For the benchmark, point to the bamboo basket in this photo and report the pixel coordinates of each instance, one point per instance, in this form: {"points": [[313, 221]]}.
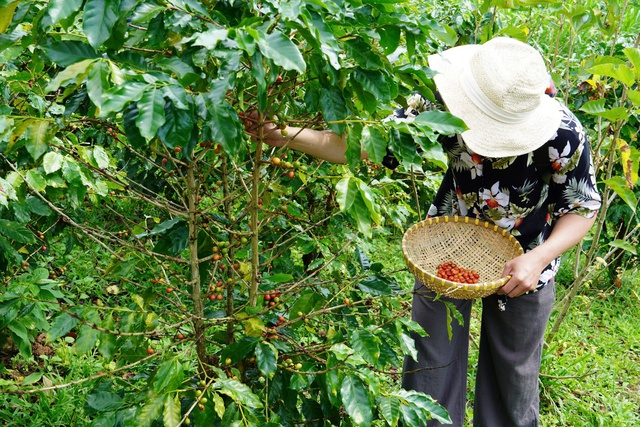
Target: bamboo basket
{"points": [[468, 242]]}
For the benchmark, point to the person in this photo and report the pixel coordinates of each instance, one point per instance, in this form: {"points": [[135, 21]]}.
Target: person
{"points": [[524, 163]]}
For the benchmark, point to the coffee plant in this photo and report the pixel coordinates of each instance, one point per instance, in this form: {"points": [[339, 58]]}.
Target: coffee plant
{"points": [[227, 285]]}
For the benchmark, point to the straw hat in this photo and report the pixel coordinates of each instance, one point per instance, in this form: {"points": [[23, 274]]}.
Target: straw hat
{"points": [[498, 89]]}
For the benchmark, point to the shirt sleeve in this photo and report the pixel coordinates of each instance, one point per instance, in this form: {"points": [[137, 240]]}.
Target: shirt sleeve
{"points": [[572, 188]]}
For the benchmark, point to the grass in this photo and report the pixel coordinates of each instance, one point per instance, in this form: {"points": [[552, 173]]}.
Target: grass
{"points": [[591, 372]]}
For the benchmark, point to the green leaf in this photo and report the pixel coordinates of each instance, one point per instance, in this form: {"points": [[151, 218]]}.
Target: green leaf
{"points": [[624, 245], [620, 72], [333, 379], [37, 141], [16, 232], [172, 411], [634, 96], [115, 101], [334, 109], [306, 303], [38, 207], [361, 213], [389, 38], [368, 198], [367, 344], [6, 15], [97, 82], [20, 337], [151, 112], [408, 344], [161, 228], [58, 10], [61, 326], [410, 415], [9, 308], [8, 252], [238, 350], [441, 121], [375, 82], [619, 185], [225, 126], [169, 375], [282, 51], [633, 54], [378, 285], [329, 45], [362, 54], [101, 157], [174, 242], [98, 20], [347, 190], [66, 53], [266, 358], [429, 408], [210, 39], [103, 401], [35, 180], [374, 143], [52, 162], [239, 392], [145, 12], [178, 126], [151, 411], [32, 378], [356, 401], [87, 335], [253, 327], [108, 344], [403, 146], [594, 107], [390, 409], [598, 108], [452, 314]]}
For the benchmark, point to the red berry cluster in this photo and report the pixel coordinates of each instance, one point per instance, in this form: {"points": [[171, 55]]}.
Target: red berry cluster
{"points": [[216, 292], [450, 271], [272, 298]]}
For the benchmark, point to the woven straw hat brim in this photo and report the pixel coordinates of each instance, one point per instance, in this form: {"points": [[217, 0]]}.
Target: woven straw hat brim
{"points": [[487, 136], [468, 242]]}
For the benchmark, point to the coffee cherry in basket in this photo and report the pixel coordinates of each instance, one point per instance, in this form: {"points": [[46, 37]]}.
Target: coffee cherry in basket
{"points": [[450, 271]]}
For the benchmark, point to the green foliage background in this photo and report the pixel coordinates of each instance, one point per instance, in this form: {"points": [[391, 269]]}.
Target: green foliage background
{"points": [[159, 264]]}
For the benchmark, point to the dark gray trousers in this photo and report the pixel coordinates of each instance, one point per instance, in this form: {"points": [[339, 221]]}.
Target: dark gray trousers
{"points": [[506, 393]]}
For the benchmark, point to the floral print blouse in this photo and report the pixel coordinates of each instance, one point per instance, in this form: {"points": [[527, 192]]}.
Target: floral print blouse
{"points": [[523, 194]]}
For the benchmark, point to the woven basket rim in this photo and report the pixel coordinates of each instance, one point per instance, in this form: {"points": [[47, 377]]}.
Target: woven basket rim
{"points": [[447, 287]]}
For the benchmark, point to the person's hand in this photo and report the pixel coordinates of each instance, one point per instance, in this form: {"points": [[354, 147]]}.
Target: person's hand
{"points": [[273, 134], [524, 271]]}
